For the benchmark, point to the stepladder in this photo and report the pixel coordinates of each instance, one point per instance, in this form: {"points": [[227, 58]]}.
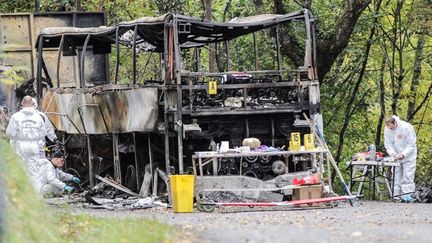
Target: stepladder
{"points": [[378, 176]]}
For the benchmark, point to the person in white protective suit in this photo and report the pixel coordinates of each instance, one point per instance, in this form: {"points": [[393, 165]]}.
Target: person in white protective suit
{"points": [[3, 121], [52, 178], [25, 130], [50, 134], [400, 143]]}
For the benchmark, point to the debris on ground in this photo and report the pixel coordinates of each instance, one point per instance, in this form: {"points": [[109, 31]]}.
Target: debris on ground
{"points": [[423, 194], [110, 195]]}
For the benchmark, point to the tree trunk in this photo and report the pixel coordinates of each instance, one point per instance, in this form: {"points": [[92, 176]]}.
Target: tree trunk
{"points": [[329, 48], [396, 86], [416, 77], [349, 108], [382, 101], [78, 5], [259, 5], [37, 6], [212, 51]]}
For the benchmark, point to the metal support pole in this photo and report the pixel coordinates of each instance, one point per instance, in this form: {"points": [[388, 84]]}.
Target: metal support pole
{"points": [[247, 128], [116, 159], [197, 59], [227, 55], [117, 56], [134, 55], [82, 62], [177, 76], [39, 70], [245, 94], [329, 181], [278, 51], [166, 77], [150, 152], [314, 50], [137, 169], [167, 147], [272, 131], [59, 54], [255, 51], [308, 62], [90, 161]]}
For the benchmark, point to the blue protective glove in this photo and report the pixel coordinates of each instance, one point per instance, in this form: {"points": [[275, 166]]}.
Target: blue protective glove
{"points": [[76, 180], [68, 188], [407, 198]]}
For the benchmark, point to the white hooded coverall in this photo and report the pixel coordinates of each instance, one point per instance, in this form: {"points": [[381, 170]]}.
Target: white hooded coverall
{"points": [[48, 127], [25, 130], [402, 140], [52, 179]]}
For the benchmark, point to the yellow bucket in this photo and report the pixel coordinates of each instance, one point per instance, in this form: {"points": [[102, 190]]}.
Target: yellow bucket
{"points": [[182, 192]]}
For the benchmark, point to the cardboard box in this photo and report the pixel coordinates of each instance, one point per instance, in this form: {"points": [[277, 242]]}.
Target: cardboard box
{"points": [[307, 192]]}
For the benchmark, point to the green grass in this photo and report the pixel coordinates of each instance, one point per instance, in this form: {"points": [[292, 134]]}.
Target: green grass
{"points": [[84, 228], [28, 219]]}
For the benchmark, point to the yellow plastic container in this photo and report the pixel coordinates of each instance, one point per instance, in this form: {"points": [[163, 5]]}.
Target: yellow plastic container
{"points": [[182, 192], [295, 142], [309, 142], [212, 88]]}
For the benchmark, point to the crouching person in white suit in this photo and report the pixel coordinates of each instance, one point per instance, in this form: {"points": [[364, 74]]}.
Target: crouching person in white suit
{"points": [[52, 178]]}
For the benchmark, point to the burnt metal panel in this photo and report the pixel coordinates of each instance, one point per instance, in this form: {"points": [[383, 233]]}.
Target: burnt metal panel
{"points": [[193, 31], [18, 34], [110, 111]]}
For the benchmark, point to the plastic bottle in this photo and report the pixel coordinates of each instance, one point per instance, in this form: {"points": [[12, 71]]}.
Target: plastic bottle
{"points": [[372, 151], [213, 146]]}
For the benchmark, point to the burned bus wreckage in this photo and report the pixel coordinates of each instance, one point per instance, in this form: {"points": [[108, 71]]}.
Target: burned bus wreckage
{"points": [[153, 123]]}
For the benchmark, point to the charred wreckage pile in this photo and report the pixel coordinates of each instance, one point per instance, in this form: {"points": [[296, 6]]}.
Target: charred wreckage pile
{"points": [[150, 127]]}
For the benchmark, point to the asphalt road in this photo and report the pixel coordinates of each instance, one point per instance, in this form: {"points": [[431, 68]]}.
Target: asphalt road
{"points": [[366, 222]]}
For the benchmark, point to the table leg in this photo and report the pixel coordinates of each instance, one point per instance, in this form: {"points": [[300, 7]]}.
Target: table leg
{"points": [[194, 167], [393, 169], [200, 167], [329, 172], [241, 165], [374, 181], [351, 179], [215, 166]]}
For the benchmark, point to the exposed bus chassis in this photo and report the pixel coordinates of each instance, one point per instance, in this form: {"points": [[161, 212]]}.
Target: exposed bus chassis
{"points": [[129, 130]]}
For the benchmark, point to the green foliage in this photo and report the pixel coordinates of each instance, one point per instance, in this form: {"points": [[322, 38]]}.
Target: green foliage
{"points": [[84, 228], [398, 47], [10, 75], [16, 6], [28, 219], [173, 6], [122, 10], [394, 42], [326, 14], [57, 5]]}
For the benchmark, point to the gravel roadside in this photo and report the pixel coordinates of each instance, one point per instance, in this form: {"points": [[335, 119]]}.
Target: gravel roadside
{"points": [[367, 222]]}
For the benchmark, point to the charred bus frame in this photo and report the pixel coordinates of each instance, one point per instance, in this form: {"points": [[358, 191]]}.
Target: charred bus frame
{"points": [[176, 114]]}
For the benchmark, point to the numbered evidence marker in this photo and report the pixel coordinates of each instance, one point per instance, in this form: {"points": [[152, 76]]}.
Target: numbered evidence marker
{"points": [[309, 142], [295, 141], [212, 87]]}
